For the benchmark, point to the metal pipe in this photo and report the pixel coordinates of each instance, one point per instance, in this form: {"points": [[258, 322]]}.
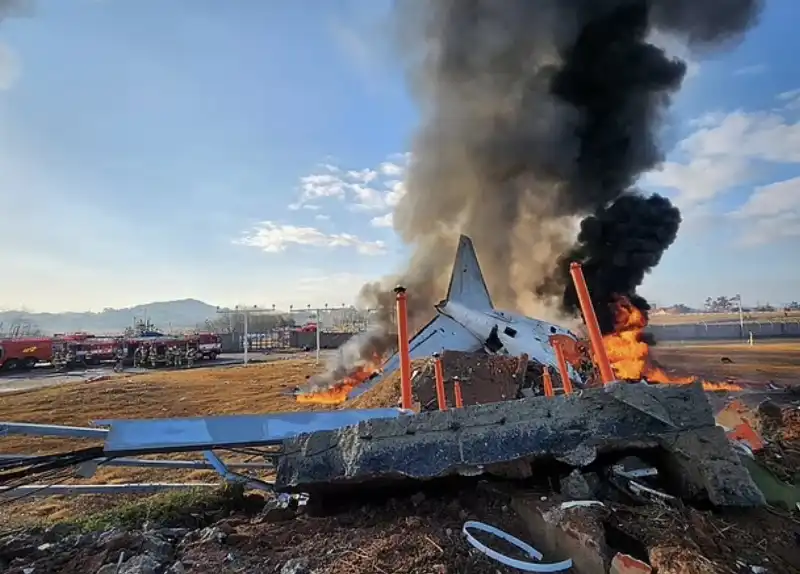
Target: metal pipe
{"points": [[457, 392], [402, 344], [439, 374], [563, 371], [7, 428], [79, 489], [547, 382], [590, 318], [164, 463], [246, 338], [317, 333]]}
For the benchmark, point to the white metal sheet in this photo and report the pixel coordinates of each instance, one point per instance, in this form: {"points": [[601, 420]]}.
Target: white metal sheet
{"points": [[204, 433]]}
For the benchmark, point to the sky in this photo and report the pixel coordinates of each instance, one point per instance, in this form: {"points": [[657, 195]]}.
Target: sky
{"points": [[251, 153]]}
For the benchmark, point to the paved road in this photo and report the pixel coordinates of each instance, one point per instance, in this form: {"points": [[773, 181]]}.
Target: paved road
{"points": [[44, 376]]}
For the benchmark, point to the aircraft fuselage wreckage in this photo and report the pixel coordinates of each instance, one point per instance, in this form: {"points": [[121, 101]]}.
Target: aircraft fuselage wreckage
{"points": [[468, 321]]}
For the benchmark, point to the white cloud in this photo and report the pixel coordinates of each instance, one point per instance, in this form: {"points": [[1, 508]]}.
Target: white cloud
{"points": [[790, 99], [772, 200], [700, 179], [367, 198], [322, 217], [272, 237], [771, 213], [397, 190], [369, 189], [320, 185], [758, 135], [753, 70], [386, 220], [724, 150], [391, 169]]}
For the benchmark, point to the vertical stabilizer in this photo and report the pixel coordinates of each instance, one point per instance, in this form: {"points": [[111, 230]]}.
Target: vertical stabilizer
{"points": [[467, 286]]}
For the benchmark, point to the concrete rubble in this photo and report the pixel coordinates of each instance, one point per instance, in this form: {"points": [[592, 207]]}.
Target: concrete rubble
{"points": [[673, 421]]}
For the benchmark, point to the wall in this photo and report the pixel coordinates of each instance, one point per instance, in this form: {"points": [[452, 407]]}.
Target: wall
{"points": [[725, 331]]}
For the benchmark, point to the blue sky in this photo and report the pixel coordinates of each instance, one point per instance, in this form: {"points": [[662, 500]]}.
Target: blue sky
{"points": [[251, 152]]}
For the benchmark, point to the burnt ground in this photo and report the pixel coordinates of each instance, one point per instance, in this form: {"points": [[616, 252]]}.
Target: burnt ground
{"points": [[413, 533]]}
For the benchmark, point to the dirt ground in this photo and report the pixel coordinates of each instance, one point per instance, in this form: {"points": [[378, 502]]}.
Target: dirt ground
{"points": [[261, 388], [762, 363]]}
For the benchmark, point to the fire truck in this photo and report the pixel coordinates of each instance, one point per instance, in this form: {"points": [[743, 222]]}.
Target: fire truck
{"points": [[83, 349], [24, 353], [209, 345]]}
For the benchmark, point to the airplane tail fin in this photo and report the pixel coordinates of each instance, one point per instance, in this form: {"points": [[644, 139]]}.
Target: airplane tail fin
{"points": [[466, 283]]}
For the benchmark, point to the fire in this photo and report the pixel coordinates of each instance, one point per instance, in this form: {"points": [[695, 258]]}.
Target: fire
{"points": [[629, 354], [337, 393]]}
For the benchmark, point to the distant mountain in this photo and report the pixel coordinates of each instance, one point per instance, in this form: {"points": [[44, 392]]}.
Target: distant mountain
{"points": [[165, 315]]}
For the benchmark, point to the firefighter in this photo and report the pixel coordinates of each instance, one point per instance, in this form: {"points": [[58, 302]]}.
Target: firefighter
{"points": [[120, 353]]}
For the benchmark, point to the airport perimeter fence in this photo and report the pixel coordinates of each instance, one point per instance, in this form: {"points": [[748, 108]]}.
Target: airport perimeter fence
{"points": [[784, 329], [280, 340]]}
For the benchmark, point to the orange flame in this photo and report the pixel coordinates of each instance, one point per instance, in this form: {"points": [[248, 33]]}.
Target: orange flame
{"points": [[629, 354], [337, 394]]}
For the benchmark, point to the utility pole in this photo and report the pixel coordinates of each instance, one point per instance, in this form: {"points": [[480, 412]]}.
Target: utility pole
{"points": [[741, 315], [245, 312], [318, 313]]}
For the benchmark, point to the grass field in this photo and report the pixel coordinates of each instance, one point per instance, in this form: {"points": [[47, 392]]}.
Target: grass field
{"points": [[196, 392], [722, 318], [260, 389]]}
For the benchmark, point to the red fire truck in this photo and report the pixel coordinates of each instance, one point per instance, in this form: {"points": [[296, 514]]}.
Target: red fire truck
{"points": [[90, 349], [24, 353], [209, 345]]}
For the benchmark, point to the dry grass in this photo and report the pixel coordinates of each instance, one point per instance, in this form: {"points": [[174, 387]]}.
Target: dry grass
{"points": [[196, 392], [722, 318], [260, 389], [761, 363]]}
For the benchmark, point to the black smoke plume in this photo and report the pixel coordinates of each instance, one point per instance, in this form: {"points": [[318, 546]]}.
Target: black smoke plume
{"points": [[616, 247], [536, 114]]}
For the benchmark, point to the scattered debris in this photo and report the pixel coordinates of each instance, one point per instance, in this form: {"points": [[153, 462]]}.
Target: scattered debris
{"points": [[526, 548], [626, 564], [484, 379]]}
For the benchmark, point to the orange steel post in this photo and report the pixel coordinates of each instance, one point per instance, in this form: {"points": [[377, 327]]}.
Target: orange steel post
{"points": [[589, 317], [439, 373], [548, 383], [402, 345], [457, 392], [562, 368]]}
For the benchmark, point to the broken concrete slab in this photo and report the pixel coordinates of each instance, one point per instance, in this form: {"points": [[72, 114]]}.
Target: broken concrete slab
{"points": [[472, 440]]}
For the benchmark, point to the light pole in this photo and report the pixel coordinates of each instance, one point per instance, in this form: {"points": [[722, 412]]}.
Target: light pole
{"points": [[245, 312], [741, 315], [318, 313]]}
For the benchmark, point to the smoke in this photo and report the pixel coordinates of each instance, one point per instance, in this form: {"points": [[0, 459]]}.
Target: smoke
{"points": [[9, 63], [536, 114], [616, 246]]}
